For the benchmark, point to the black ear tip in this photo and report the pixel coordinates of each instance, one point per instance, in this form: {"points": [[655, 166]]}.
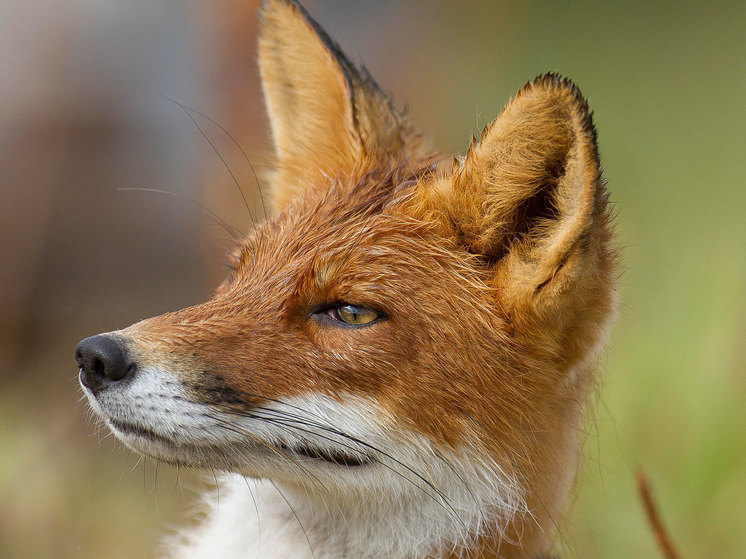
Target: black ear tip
{"points": [[555, 82], [267, 5]]}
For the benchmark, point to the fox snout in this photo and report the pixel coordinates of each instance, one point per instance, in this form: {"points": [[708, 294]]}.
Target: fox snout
{"points": [[102, 361]]}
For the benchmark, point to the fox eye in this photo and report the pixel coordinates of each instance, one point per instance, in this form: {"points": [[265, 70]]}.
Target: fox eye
{"points": [[354, 315]]}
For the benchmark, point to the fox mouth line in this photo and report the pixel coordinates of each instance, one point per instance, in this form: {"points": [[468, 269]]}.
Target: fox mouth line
{"points": [[144, 432], [336, 457], [332, 456]]}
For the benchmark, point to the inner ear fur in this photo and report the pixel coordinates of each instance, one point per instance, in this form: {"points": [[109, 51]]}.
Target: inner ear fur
{"points": [[328, 118], [529, 198]]}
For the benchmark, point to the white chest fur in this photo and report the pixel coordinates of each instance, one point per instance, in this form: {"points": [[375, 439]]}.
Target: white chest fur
{"points": [[252, 519]]}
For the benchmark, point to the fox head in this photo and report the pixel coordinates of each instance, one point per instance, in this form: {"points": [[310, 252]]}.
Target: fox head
{"points": [[405, 330]]}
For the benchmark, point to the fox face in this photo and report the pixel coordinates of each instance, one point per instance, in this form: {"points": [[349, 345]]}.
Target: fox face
{"points": [[407, 336]]}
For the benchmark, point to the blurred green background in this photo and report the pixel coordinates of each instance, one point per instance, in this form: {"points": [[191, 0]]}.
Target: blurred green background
{"points": [[81, 115]]}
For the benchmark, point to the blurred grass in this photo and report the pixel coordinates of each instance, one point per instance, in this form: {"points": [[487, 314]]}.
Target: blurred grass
{"points": [[667, 83]]}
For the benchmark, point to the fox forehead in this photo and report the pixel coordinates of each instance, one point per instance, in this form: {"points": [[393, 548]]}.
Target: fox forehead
{"points": [[361, 242]]}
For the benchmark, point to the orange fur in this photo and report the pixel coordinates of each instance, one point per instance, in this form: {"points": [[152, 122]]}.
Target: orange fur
{"points": [[495, 273]]}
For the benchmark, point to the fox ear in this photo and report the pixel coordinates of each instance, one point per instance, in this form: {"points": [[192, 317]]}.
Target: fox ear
{"points": [[529, 198], [327, 117]]}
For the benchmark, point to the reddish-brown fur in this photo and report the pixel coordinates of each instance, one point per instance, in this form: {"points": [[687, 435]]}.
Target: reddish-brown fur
{"points": [[495, 272]]}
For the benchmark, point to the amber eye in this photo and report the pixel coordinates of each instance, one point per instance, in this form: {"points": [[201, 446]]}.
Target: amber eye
{"points": [[355, 315]]}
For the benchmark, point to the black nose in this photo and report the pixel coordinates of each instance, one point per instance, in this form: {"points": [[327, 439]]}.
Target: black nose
{"points": [[102, 360]]}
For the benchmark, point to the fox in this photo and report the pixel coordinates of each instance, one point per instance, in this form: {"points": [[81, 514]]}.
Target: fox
{"points": [[401, 360]]}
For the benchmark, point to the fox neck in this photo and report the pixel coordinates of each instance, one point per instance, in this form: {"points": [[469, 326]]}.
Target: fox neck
{"points": [[383, 526], [275, 520], [470, 525]]}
